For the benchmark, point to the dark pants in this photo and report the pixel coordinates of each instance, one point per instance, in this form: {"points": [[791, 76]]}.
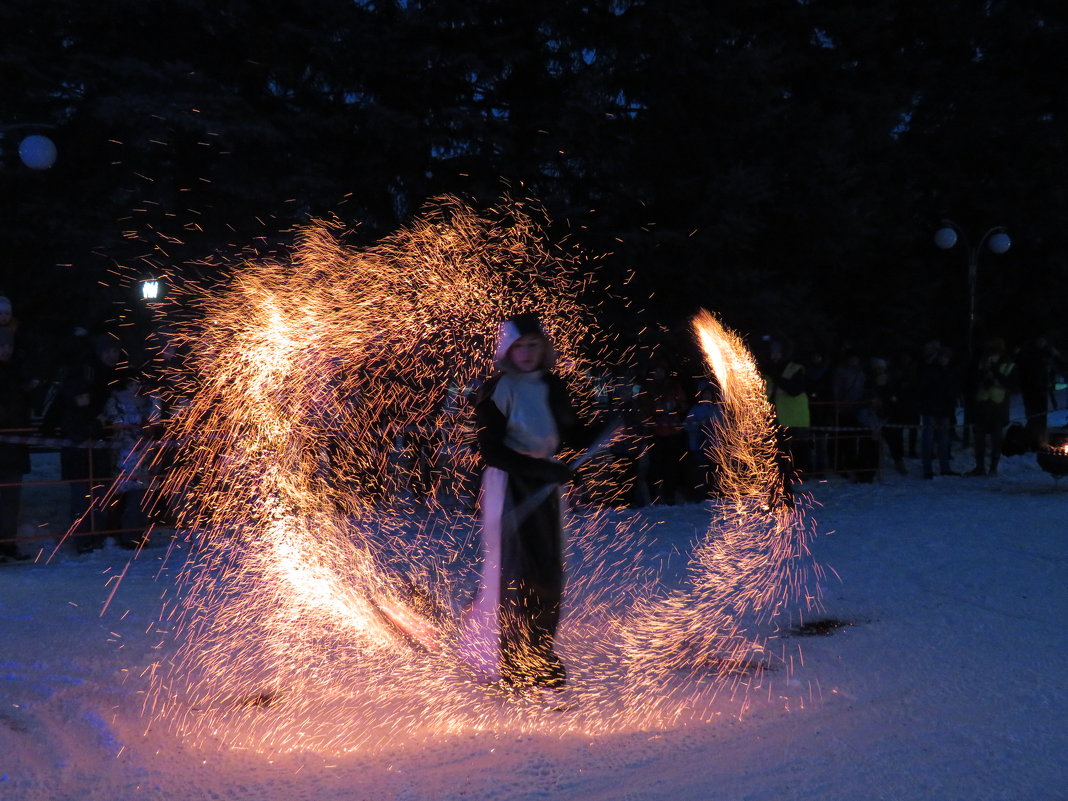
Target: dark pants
{"points": [[90, 475], [704, 475], [1036, 408], [934, 442], [667, 467], [797, 442], [532, 585], [10, 501], [894, 437], [127, 517], [990, 420]]}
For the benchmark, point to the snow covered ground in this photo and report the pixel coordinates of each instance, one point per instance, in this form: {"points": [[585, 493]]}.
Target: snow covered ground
{"points": [[950, 684]]}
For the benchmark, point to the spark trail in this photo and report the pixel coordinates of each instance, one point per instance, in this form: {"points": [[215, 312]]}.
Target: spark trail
{"points": [[749, 568], [326, 463]]}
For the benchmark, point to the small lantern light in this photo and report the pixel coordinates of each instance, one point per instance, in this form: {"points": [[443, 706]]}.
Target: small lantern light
{"points": [[151, 290]]}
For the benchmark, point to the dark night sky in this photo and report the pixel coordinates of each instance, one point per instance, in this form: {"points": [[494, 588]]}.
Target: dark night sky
{"points": [[750, 159]]}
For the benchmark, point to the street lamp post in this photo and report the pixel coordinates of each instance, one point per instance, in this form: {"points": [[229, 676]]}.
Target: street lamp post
{"points": [[996, 240]]}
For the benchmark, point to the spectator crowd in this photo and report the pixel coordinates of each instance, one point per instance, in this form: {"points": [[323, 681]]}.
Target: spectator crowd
{"points": [[101, 414], [847, 413], [840, 412]]}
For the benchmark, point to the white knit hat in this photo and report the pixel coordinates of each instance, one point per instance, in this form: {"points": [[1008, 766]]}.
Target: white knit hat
{"points": [[511, 330]]}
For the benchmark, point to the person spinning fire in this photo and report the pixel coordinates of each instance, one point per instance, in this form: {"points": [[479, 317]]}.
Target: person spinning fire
{"points": [[524, 416]]}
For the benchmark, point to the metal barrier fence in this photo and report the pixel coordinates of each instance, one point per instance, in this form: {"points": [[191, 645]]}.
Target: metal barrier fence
{"points": [[48, 506], [834, 446], [52, 505]]}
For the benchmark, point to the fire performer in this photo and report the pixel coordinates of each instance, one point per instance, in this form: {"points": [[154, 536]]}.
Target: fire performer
{"points": [[524, 416]]}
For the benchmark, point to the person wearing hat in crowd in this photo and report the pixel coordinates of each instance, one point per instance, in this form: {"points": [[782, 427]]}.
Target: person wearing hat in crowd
{"points": [[14, 456], [524, 415]]}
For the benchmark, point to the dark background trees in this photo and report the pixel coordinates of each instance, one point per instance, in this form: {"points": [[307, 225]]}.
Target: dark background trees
{"points": [[784, 162]]}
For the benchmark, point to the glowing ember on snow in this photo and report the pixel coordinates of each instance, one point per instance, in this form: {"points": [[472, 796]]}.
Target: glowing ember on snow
{"points": [[323, 410]]}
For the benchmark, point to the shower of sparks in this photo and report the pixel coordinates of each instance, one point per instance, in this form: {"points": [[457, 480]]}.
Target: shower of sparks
{"points": [[749, 568], [326, 478]]}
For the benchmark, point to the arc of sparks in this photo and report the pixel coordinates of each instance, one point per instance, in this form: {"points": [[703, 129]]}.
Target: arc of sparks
{"points": [[321, 389], [749, 567]]}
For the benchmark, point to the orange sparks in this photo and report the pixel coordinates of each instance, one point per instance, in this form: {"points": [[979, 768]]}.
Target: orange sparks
{"points": [[325, 481]]}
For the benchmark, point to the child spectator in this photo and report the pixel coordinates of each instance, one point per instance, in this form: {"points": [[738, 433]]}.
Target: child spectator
{"points": [[131, 413]]}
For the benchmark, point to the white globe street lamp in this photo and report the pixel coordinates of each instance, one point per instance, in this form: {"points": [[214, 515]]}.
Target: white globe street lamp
{"points": [[997, 241], [945, 238], [37, 152]]}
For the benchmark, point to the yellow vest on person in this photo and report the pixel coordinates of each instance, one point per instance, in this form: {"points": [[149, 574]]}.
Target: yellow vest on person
{"points": [[791, 411], [999, 391]]}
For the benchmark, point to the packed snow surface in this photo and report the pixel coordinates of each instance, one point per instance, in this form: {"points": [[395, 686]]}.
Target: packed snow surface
{"points": [[946, 680]]}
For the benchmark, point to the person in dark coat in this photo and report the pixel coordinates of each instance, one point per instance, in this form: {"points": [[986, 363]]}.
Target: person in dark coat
{"points": [[14, 456], [702, 430], [822, 414], [86, 461], [887, 409], [7, 315], [1037, 363], [937, 392], [524, 417], [664, 405], [852, 399]]}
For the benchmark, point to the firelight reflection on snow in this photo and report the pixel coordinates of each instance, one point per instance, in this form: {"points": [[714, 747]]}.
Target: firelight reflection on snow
{"points": [[308, 373]]}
